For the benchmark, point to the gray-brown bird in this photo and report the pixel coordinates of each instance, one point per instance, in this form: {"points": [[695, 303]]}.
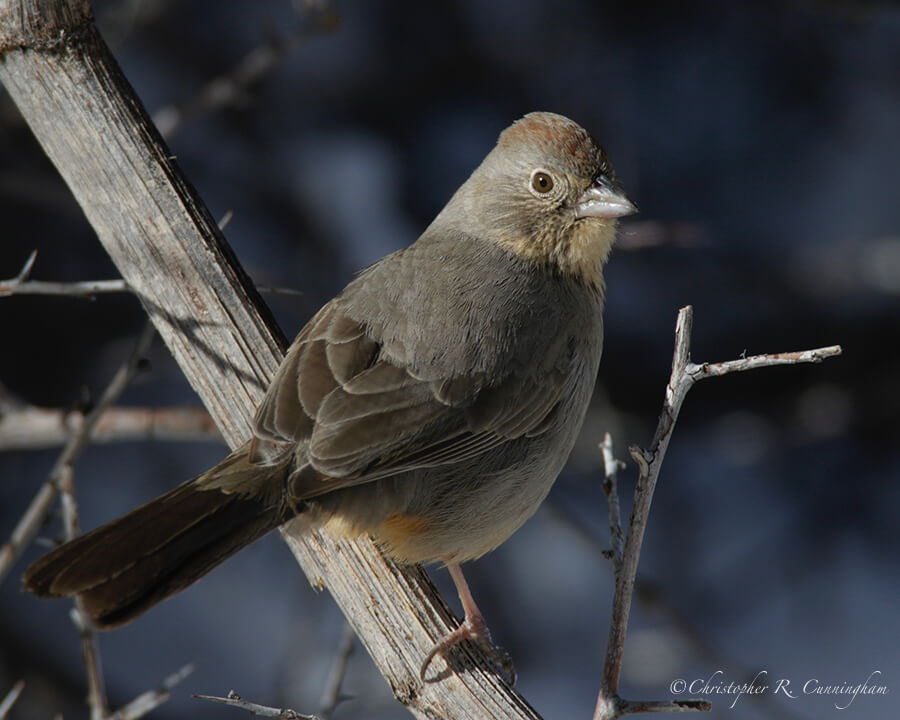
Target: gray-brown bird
{"points": [[431, 404]]}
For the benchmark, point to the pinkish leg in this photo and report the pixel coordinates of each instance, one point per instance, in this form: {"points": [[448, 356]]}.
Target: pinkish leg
{"points": [[473, 627]]}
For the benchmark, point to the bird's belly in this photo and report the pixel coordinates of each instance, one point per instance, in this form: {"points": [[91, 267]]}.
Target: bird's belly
{"points": [[459, 512]]}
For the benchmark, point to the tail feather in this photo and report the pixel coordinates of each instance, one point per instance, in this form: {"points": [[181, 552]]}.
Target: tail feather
{"points": [[122, 569]]}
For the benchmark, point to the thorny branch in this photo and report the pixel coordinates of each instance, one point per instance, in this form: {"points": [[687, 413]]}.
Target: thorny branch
{"points": [[22, 284], [684, 375], [235, 700]]}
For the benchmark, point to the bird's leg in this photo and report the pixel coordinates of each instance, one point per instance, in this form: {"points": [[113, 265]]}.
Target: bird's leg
{"points": [[473, 627]]}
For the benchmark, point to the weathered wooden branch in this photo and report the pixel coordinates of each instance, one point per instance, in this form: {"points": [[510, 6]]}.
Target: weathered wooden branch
{"points": [[168, 249]]}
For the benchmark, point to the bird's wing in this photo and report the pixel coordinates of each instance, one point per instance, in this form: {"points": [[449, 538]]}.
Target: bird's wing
{"points": [[360, 416]]}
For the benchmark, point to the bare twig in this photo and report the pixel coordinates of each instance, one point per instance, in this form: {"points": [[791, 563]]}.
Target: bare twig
{"points": [[231, 88], [22, 284], [152, 699], [684, 375], [705, 370], [331, 694], [37, 512], [611, 468], [30, 427], [90, 651], [25, 272], [25, 530], [226, 219], [10, 699], [85, 289], [235, 700]]}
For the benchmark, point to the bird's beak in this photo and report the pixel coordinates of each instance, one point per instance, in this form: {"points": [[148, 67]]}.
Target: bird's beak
{"points": [[604, 199]]}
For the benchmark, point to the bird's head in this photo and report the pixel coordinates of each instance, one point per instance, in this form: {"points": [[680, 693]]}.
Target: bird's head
{"points": [[548, 192]]}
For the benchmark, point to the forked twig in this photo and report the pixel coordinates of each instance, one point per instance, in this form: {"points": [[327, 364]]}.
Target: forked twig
{"points": [[684, 375]]}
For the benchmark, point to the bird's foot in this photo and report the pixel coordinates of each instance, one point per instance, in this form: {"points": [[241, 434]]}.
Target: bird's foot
{"points": [[475, 629]]}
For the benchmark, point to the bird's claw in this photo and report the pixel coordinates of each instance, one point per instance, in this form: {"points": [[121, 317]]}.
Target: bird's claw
{"points": [[473, 629]]}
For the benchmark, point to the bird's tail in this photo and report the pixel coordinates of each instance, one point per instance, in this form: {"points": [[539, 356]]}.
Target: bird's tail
{"points": [[122, 569]]}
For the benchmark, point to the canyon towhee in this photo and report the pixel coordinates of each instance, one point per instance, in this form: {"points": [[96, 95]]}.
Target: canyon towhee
{"points": [[431, 404]]}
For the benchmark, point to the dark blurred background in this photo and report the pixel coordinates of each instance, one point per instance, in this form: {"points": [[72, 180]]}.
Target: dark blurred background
{"points": [[762, 144]]}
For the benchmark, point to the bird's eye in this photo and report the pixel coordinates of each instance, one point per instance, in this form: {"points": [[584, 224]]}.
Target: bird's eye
{"points": [[542, 182]]}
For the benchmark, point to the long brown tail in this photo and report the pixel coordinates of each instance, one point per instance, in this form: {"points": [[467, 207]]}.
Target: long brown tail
{"points": [[122, 569]]}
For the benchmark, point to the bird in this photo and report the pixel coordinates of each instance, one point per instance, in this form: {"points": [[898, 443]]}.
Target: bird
{"points": [[431, 404]]}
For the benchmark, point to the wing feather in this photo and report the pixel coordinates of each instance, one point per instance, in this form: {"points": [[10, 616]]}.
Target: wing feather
{"points": [[361, 416]]}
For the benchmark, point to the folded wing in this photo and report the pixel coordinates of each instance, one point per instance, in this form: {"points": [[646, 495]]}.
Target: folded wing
{"points": [[358, 416]]}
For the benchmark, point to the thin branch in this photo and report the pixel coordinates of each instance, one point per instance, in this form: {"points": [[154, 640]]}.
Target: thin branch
{"points": [[684, 375], [152, 699], [85, 289], [90, 651], [611, 467], [705, 370], [235, 700], [23, 533], [10, 699], [22, 284], [231, 88], [652, 598], [31, 427], [25, 272], [39, 509], [331, 693]]}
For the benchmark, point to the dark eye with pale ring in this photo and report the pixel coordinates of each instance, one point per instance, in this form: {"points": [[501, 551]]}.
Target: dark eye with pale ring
{"points": [[542, 182]]}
